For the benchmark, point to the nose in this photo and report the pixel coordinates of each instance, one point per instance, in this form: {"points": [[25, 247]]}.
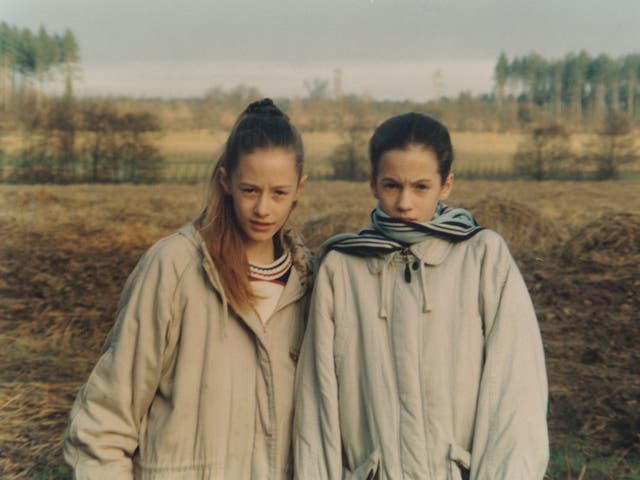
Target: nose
{"points": [[404, 203], [261, 207]]}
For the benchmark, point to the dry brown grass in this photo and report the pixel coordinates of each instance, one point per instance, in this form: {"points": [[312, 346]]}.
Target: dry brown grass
{"points": [[29, 413], [610, 241], [66, 252], [201, 143]]}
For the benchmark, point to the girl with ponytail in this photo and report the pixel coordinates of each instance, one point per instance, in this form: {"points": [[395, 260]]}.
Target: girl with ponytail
{"points": [[195, 380]]}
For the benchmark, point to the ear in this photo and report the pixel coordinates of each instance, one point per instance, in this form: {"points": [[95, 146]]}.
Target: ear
{"points": [[301, 184], [447, 186], [224, 180], [373, 186]]}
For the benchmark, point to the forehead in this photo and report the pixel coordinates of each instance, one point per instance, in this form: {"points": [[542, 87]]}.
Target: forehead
{"points": [[266, 163], [411, 163]]}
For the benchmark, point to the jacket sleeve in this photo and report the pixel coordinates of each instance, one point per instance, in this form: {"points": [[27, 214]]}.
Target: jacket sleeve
{"points": [[107, 415], [316, 437], [510, 437]]}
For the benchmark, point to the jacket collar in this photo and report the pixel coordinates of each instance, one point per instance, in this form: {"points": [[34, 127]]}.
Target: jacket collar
{"points": [[300, 277], [432, 251]]}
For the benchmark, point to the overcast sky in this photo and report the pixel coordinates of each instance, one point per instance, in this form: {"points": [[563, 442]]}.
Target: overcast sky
{"points": [[389, 49]]}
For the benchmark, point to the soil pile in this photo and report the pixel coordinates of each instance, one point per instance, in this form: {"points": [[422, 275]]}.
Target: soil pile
{"points": [[610, 241], [524, 229]]}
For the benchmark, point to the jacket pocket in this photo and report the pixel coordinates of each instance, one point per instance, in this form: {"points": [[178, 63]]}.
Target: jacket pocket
{"points": [[459, 463], [367, 470]]}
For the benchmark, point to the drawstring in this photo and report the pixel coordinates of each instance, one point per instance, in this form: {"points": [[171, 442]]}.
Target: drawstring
{"points": [[380, 267], [382, 313], [426, 306]]}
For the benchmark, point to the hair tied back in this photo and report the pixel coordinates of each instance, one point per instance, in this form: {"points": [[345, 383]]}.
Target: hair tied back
{"points": [[263, 107]]}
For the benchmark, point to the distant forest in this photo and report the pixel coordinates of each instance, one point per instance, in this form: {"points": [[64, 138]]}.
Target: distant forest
{"points": [[577, 90], [575, 87], [66, 138], [28, 60]]}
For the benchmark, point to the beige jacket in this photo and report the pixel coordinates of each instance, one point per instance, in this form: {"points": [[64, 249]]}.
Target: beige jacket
{"points": [[441, 378], [185, 388]]}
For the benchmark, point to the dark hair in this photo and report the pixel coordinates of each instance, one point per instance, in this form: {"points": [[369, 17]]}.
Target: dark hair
{"points": [[402, 131], [261, 125]]}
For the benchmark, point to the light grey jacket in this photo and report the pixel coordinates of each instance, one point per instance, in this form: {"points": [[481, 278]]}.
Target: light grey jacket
{"points": [[427, 379], [186, 389]]}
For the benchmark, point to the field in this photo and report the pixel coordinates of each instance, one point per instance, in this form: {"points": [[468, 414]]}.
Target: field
{"points": [[66, 251], [187, 151], [188, 154]]}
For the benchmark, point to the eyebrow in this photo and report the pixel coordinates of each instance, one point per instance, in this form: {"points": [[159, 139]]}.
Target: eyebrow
{"points": [[275, 187], [420, 180]]}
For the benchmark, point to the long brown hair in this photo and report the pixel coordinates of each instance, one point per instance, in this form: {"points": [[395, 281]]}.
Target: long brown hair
{"points": [[260, 125]]}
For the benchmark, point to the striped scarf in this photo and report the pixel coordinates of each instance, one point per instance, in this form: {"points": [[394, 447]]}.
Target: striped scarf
{"points": [[387, 234]]}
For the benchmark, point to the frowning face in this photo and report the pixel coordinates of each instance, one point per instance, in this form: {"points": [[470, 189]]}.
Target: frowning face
{"points": [[408, 185]]}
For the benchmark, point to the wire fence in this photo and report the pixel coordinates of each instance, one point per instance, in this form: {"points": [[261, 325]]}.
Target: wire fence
{"points": [[199, 170]]}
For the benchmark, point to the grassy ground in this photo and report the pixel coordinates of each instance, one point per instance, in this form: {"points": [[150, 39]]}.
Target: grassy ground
{"points": [[67, 250], [472, 149]]}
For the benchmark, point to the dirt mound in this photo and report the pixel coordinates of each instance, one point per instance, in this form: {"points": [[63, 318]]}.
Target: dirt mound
{"points": [[318, 230], [524, 229], [612, 240]]}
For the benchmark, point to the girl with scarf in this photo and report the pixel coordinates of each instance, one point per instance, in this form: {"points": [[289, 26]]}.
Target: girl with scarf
{"points": [[422, 357], [196, 378]]}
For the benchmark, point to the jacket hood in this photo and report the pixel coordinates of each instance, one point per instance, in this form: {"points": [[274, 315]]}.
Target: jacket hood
{"points": [[302, 256]]}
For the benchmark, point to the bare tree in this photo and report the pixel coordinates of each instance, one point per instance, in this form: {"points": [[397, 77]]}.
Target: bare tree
{"points": [[100, 122], [118, 147], [49, 151], [615, 145], [545, 153], [349, 158], [317, 88]]}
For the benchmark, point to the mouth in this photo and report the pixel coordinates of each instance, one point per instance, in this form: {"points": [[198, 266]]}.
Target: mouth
{"points": [[260, 226]]}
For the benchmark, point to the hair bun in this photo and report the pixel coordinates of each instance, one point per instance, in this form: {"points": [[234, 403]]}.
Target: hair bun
{"points": [[263, 107]]}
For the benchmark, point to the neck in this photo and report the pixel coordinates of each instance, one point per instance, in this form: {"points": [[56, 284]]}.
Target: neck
{"points": [[260, 253]]}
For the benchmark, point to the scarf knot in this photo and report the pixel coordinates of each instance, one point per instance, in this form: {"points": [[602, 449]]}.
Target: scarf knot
{"points": [[387, 234]]}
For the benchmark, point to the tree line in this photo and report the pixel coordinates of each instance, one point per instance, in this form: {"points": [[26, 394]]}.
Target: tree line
{"points": [[65, 139], [579, 88], [30, 59], [548, 151], [87, 141]]}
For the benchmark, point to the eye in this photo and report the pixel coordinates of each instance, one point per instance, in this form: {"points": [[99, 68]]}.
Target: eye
{"points": [[281, 193], [390, 185], [422, 187], [248, 190]]}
